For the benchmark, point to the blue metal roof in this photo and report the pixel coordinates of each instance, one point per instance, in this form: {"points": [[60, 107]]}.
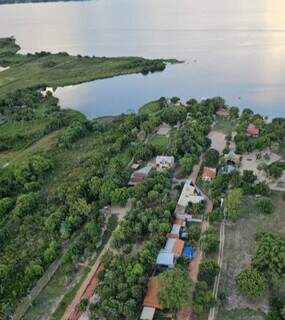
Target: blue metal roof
{"points": [[188, 252]]}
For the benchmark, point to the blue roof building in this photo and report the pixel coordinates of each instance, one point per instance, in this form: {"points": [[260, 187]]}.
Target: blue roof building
{"points": [[188, 252]]}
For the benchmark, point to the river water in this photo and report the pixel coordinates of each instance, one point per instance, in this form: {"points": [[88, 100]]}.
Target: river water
{"points": [[232, 48]]}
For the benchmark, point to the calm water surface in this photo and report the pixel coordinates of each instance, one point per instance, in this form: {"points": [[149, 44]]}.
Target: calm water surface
{"points": [[238, 46]]}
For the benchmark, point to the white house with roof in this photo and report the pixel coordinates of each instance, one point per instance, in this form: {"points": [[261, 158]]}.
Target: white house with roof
{"points": [[190, 194], [164, 162]]}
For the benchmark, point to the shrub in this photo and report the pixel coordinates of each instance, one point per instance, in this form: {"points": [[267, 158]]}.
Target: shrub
{"points": [[212, 157], [216, 215], [210, 241], [265, 205], [203, 298], [251, 283], [194, 232], [207, 272]]}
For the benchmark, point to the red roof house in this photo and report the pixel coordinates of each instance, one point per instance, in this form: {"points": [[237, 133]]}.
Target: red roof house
{"points": [[151, 297], [252, 131], [209, 174]]}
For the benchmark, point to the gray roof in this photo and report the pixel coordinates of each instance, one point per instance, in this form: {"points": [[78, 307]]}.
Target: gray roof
{"points": [[165, 258]]}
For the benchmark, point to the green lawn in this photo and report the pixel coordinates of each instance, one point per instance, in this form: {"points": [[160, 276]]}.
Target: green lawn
{"points": [[238, 251], [159, 141]]}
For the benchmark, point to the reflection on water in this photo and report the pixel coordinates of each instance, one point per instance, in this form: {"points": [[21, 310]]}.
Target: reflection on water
{"points": [[239, 47]]}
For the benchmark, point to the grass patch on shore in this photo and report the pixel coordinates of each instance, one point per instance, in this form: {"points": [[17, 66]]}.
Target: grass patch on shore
{"points": [[150, 107], [57, 70]]}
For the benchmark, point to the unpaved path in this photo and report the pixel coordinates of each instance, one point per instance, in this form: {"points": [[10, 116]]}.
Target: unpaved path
{"points": [[213, 310]]}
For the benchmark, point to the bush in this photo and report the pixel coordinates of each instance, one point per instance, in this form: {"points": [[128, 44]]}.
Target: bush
{"points": [[194, 232], [203, 298], [212, 157], [265, 205], [216, 215], [208, 271], [251, 283], [25, 204], [6, 204], [210, 241]]}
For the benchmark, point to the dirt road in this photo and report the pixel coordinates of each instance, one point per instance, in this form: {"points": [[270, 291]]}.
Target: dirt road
{"points": [[72, 312], [213, 310]]}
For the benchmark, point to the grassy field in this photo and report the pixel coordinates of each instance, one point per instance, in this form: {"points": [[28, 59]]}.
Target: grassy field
{"points": [[43, 145], [238, 251], [159, 141], [63, 284], [54, 70]]}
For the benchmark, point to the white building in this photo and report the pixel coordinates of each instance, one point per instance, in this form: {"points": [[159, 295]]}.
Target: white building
{"points": [[190, 194], [164, 162], [166, 259]]}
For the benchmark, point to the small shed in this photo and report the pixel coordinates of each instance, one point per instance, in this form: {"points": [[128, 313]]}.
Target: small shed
{"points": [[140, 174], [209, 174], [164, 162], [252, 131], [147, 313], [188, 252]]}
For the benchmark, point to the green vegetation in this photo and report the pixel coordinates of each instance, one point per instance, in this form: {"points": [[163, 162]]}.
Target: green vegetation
{"points": [[233, 201], [269, 133], [208, 271], [251, 283], [203, 298], [65, 179], [211, 158], [45, 69], [240, 250], [175, 289], [152, 107], [210, 241]]}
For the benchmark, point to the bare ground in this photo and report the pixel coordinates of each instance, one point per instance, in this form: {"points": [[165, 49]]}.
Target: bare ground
{"points": [[218, 140]]}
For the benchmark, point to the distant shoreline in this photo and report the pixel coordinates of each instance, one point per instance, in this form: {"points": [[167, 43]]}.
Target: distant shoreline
{"points": [[37, 1]]}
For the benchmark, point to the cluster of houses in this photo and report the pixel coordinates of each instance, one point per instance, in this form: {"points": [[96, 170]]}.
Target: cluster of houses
{"points": [[174, 247]]}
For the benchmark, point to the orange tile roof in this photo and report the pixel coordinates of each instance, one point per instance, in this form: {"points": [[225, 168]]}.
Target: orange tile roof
{"points": [[179, 221], [209, 172], [178, 247], [252, 131], [151, 297]]}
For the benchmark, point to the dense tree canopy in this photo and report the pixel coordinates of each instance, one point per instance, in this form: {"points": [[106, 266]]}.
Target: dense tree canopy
{"points": [[175, 289]]}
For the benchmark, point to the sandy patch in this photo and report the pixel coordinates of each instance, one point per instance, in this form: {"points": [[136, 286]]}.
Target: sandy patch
{"points": [[164, 130], [249, 162], [218, 140]]}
